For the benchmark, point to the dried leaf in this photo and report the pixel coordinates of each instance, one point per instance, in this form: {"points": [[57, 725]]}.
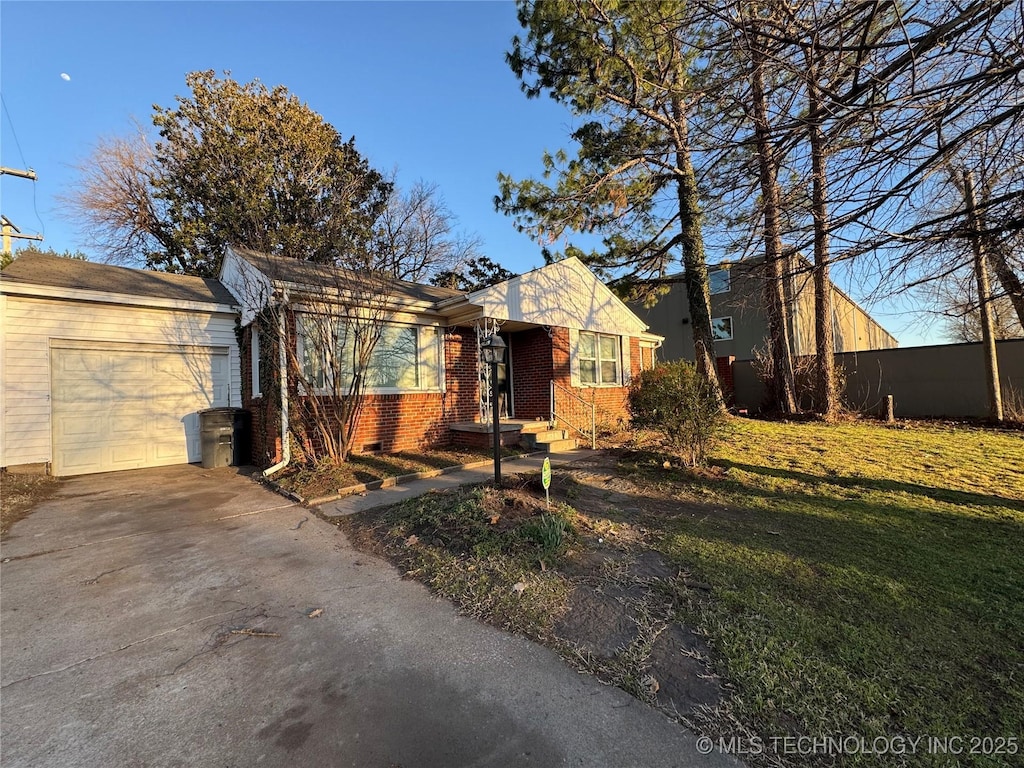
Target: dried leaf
{"points": [[519, 587], [495, 518], [316, 612], [412, 540]]}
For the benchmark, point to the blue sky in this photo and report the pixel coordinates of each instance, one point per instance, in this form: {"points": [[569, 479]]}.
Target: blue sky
{"points": [[423, 87]]}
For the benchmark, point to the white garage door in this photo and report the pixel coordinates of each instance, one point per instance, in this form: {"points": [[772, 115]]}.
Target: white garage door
{"points": [[124, 407]]}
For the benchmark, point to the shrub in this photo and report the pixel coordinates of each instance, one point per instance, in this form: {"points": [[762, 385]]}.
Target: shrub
{"points": [[676, 401]]}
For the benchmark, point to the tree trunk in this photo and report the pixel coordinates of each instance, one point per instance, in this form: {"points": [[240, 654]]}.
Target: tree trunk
{"points": [[995, 395], [824, 336], [1007, 278], [695, 270], [782, 388]]}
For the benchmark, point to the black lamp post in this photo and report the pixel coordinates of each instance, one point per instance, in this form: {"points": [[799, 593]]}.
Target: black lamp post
{"points": [[493, 352]]}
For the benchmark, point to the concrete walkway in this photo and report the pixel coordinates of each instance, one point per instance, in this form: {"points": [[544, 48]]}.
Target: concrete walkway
{"points": [[387, 496], [189, 617]]}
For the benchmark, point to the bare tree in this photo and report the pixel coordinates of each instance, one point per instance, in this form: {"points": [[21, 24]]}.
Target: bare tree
{"points": [[415, 237], [331, 332], [113, 203]]}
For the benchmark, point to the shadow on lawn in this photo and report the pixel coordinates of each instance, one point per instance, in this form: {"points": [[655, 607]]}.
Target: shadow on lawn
{"points": [[920, 547], [965, 498]]}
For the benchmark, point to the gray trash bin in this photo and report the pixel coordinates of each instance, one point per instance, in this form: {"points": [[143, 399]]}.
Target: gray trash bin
{"points": [[216, 430]]}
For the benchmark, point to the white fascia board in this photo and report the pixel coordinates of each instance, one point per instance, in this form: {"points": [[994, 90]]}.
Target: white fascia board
{"points": [[303, 293], [103, 297], [399, 315]]}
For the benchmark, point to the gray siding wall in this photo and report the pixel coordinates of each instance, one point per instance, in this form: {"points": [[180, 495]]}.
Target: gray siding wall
{"points": [[854, 328], [946, 380]]}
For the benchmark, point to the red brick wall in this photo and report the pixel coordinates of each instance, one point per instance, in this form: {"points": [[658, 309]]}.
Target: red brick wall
{"points": [[265, 430], [462, 377], [395, 422], [410, 421], [532, 372], [610, 401], [724, 365]]}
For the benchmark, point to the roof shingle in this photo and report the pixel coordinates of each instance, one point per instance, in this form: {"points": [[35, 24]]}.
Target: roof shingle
{"points": [[315, 275], [60, 272]]}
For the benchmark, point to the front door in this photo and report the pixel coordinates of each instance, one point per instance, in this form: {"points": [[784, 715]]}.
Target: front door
{"points": [[505, 405]]}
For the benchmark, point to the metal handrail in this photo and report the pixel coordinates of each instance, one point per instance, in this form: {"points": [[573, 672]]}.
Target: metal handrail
{"points": [[567, 413]]}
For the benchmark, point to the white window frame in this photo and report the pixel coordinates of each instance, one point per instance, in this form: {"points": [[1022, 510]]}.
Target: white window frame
{"points": [[425, 336], [598, 360], [714, 332], [728, 281], [254, 361]]}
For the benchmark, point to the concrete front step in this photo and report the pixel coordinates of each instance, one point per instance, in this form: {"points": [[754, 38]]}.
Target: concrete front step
{"points": [[558, 446], [533, 427], [548, 435], [536, 440]]}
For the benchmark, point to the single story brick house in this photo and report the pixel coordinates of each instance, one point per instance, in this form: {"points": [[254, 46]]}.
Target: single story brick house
{"points": [[572, 347], [106, 368]]}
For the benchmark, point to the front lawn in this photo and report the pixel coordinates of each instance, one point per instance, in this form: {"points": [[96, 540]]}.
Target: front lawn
{"points": [[865, 580], [848, 581]]}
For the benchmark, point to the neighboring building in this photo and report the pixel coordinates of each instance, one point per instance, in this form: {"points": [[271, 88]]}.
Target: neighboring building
{"points": [[569, 339], [106, 368], [739, 321]]}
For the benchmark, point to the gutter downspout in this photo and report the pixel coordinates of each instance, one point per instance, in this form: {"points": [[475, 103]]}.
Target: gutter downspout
{"points": [[282, 362]]}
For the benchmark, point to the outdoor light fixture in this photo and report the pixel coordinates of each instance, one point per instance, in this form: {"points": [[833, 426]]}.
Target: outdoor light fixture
{"points": [[493, 352]]}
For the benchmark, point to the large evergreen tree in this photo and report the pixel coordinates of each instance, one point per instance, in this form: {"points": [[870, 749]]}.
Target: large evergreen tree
{"points": [[234, 163], [626, 68]]}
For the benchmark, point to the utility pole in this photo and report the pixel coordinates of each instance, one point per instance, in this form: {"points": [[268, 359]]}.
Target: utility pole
{"points": [[29, 174], [995, 395], [11, 232]]}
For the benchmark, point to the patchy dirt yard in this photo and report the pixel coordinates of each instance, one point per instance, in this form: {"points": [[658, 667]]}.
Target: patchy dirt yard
{"points": [[19, 493], [596, 590]]}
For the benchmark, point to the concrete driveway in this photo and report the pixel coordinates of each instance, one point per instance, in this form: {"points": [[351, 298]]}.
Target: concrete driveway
{"points": [[161, 618]]}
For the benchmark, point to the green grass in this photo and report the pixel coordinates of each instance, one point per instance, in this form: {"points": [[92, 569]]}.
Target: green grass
{"points": [[864, 580]]}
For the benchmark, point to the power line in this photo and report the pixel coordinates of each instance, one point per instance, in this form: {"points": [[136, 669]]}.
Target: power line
{"points": [[13, 132]]}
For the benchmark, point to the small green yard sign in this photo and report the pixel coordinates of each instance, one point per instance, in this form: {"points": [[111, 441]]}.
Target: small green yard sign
{"points": [[545, 479]]}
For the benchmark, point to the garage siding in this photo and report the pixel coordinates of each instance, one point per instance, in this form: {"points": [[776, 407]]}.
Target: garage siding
{"points": [[29, 325]]}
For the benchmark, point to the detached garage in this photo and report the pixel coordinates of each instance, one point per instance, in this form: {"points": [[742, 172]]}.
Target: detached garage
{"points": [[106, 368]]}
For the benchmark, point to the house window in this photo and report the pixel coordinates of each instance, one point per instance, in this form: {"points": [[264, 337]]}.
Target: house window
{"points": [[254, 355], [405, 357], [721, 328], [599, 358], [393, 362], [719, 281]]}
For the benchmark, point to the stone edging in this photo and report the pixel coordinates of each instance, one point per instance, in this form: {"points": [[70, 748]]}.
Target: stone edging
{"points": [[389, 482]]}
